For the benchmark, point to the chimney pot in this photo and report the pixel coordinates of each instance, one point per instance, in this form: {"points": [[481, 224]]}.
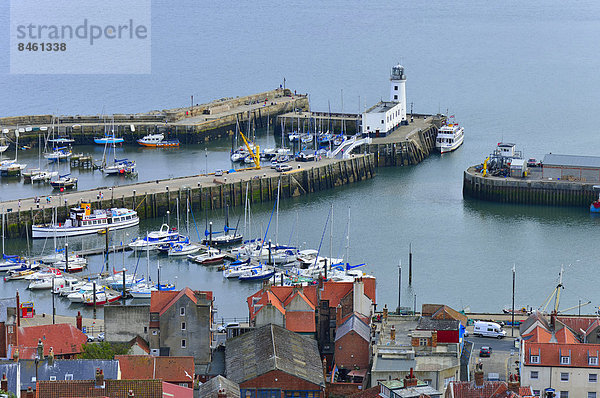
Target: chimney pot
{"points": [[4, 383], [221, 393], [29, 393], [99, 378], [479, 375], [130, 393]]}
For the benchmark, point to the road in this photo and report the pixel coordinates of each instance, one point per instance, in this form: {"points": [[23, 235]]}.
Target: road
{"points": [[501, 358]]}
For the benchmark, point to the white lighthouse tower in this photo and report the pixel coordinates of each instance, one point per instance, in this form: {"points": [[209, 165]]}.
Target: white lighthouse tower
{"points": [[398, 88]]}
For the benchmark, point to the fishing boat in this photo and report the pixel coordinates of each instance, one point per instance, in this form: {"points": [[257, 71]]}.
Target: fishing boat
{"points": [[212, 256], [595, 205], [155, 239], [64, 182], [158, 141], [102, 298], [83, 221], [449, 137]]}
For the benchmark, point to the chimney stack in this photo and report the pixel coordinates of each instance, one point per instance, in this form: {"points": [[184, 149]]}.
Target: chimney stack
{"points": [[385, 312], [221, 393], [479, 375], [16, 355], [79, 320], [40, 349], [130, 393], [29, 393], [410, 380], [338, 315], [51, 357], [513, 383], [4, 383], [99, 378], [393, 333]]}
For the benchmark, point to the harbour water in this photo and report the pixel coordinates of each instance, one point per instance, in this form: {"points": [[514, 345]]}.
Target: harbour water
{"points": [[509, 71]]}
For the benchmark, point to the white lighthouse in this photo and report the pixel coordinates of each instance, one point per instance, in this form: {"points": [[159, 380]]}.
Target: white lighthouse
{"points": [[385, 116], [398, 87]]}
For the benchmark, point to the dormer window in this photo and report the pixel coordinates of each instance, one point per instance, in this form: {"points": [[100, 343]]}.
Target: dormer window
{"points": [[593, 361], [565, 360], [534, 358]]}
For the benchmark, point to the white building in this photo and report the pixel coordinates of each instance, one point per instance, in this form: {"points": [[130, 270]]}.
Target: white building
{"points": [[385, 116]]}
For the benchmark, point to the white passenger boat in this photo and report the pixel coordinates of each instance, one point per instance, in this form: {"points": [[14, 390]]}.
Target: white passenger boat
{"points": [[83, 221], [155, 238], [449, 137]]}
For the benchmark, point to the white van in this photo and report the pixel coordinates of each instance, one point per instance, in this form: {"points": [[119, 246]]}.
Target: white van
{"points": [[488, 329]]}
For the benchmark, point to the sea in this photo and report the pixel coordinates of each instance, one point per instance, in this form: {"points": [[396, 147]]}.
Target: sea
{"points": [[521, 72]]}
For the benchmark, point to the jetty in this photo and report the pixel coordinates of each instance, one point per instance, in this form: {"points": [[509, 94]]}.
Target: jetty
{"points": [[192, 124], [203, 191]]}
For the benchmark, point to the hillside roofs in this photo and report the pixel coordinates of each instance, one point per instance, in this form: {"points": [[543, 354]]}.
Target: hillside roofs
{"points": [[64, 338], [334, 292], [426, 323], [535, 319], [63, 369], [562, 354], [87, 388], [489, 389], [270, 348], [161, 301], [441, 311], [353, 323], [211, 388], [580, 325], [144, 367], [538, 335]]}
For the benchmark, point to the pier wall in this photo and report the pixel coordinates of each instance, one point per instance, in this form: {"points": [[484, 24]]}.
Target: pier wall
{"points": [[413, 150], [200, 123], [536, 192], [312, 177]]}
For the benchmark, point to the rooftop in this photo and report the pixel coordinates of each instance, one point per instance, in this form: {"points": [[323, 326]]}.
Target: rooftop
{"points": [[353, 323], [212, 387], [269, 348], [552, 159], [112, 388], [550, 354], [145, 367], [63, 338], [382, 106], [75, 369]]}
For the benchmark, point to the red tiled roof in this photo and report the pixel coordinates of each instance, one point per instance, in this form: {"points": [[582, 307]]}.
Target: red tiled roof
{"points": [[372, 392], [64, 338], [576, 324], [173, 390], [86, 388], [489, 389], [299, 293], [550, 354], [300, 321], [564, 335], [161, 301], [144, 367], [140, 342], [538, 335], [335, 291], [273, 300]]}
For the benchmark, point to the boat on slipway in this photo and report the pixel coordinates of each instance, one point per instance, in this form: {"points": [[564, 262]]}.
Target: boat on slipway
{"points": [[83, 221], [158, 141], [449, 137]]}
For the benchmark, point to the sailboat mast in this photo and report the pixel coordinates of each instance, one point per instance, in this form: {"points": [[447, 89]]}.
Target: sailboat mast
{"points": [[2, 233], [177, 204], [277, 214], [246, 209], [348, 239], [331, 237], [147, 258], [187, 216]]}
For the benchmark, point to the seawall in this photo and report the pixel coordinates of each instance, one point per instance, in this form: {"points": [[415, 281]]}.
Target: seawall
{"points": [[536, 192], [153, 199]]}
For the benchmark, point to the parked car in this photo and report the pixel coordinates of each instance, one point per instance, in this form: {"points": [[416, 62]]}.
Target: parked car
{"points": [[532, 162], [100, 336], [223, 328], [283, 167], [219, 173], [485, 351], [90, 338]]}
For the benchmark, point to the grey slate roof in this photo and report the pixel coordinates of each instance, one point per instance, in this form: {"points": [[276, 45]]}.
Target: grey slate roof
{"points": [[356, 324], [212, 387], [552, 159], [12, 372], [269, 348], [533, 318], [427, 323], [81, 369]]}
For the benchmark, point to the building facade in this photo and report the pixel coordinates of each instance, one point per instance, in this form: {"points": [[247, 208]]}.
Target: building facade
{"points": [[385, 116]]}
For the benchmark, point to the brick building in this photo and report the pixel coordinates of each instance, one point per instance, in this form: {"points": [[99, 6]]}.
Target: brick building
{"points": [[352, 344], [271, 361]]}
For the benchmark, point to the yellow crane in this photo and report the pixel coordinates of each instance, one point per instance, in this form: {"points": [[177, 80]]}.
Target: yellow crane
{"points": [[255, 156], [485, 166]]}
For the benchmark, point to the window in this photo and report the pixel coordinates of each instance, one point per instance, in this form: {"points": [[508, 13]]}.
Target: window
{"points": [[183, 343], [592, 377], [534, 359], [382, 121], [565, 360], [422, 341], [182, 311], [534, 374], [592, 394], [395, 87], [33, 380], [395, 97], [182, 325], [183, 384], [52, 378], [154, 332], [428, 381], [593, 361], [145, 329], [564, 394], [564, 377], [69, 376]]}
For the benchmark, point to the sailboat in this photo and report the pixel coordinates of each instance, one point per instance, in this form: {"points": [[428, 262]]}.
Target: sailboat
{"points": [[118, 166], [109, 138], [3, 144], [145, 289], [10, 167], [227, 239]]}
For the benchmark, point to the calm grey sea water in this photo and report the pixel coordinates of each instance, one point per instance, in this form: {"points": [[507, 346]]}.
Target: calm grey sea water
{"points": [[513, 71]]}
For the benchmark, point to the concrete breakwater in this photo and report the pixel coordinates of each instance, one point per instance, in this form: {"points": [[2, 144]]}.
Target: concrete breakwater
{"points": [[192, 124], [204, 192], [537, 192]]}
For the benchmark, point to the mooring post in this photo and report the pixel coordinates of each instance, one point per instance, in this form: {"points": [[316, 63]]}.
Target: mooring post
{"points": [[94, 297], [410, 263], [66, 257]]}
